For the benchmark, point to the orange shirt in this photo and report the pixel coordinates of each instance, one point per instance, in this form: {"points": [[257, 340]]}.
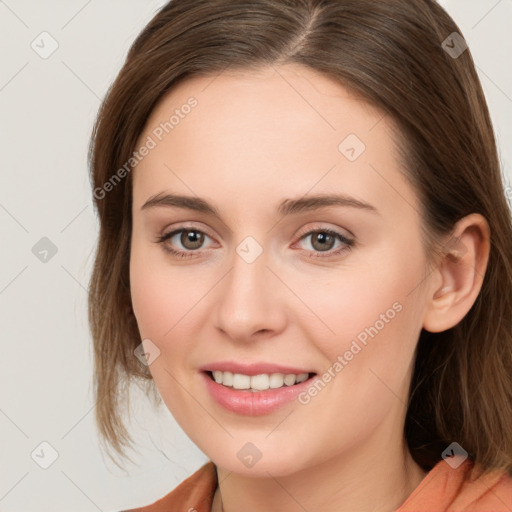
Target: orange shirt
{"points": [[443, 489]]}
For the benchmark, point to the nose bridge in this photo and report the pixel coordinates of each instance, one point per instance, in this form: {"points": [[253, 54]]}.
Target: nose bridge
{"points": [[248, 301]]}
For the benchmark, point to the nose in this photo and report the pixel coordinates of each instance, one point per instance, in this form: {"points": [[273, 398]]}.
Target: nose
{"points": [[251, 301]]}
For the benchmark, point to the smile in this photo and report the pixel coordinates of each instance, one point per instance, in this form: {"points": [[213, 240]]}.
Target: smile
{"points": [[259, 382], [256, 389]]}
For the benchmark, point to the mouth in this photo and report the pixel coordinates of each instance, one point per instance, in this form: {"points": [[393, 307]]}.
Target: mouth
{"points": [[256, 394], [257, 388], [258, 383]]}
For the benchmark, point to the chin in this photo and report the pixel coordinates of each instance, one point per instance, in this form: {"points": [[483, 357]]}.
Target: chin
{"points": [[245, 458]]}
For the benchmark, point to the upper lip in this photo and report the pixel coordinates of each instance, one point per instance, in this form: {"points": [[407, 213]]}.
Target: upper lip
{"points": [[252, 368]]}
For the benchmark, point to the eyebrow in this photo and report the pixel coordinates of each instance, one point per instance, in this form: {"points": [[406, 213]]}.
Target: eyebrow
{"points": [[286, 207]]}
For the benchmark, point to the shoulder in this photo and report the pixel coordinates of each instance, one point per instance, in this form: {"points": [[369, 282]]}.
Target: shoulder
{"points": [[195, 494], [464, 488]]}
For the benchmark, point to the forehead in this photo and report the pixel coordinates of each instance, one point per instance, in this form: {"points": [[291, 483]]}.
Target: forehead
{"points": [[264, 100], [264, 130]]}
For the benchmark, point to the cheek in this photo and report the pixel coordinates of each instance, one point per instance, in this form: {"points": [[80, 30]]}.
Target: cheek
{"points": [[155, 300], [166, 299], [376, 321], [370, 315], [162, 301]]}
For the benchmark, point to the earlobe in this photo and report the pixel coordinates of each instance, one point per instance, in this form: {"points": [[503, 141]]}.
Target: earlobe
{"points": [[460, 271]]}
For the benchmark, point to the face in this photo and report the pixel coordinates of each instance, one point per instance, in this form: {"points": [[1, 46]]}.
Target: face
{"points": [[297, 253]]}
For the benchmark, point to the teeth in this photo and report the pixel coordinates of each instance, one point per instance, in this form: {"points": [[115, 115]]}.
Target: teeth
{"points": [[289, 380], [258, 382], [276, 380], [301, 378], [241, 381], [227, 379]]}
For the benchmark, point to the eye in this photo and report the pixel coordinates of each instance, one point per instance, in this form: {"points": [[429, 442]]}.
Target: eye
{"points": [[192, 239], [189, 238], [324, 240]]}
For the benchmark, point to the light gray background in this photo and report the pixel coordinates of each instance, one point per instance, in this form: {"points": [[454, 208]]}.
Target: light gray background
{"points": [[47, 109]]}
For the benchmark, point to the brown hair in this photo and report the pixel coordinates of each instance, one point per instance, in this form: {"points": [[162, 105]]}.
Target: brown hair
{"points": [[390, 53]]}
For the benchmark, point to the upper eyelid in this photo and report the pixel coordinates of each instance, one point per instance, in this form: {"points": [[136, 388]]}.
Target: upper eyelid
{"points": [[318, 226], [186, 227]]}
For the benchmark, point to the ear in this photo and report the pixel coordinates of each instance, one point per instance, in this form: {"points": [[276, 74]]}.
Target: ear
{"points": [[459, 274]]}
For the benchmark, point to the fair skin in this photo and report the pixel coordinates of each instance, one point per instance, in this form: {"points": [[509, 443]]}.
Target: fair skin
{"points": [[254, 140]]}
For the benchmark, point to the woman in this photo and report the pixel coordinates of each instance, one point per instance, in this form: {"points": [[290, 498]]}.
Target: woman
{"points": [[305, 246]]}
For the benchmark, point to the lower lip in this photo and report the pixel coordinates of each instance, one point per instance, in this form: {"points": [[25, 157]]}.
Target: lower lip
{"points": [[252, 403]]}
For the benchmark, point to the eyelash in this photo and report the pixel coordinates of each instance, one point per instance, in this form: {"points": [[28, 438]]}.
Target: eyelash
{"points": [[191, 253]]}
